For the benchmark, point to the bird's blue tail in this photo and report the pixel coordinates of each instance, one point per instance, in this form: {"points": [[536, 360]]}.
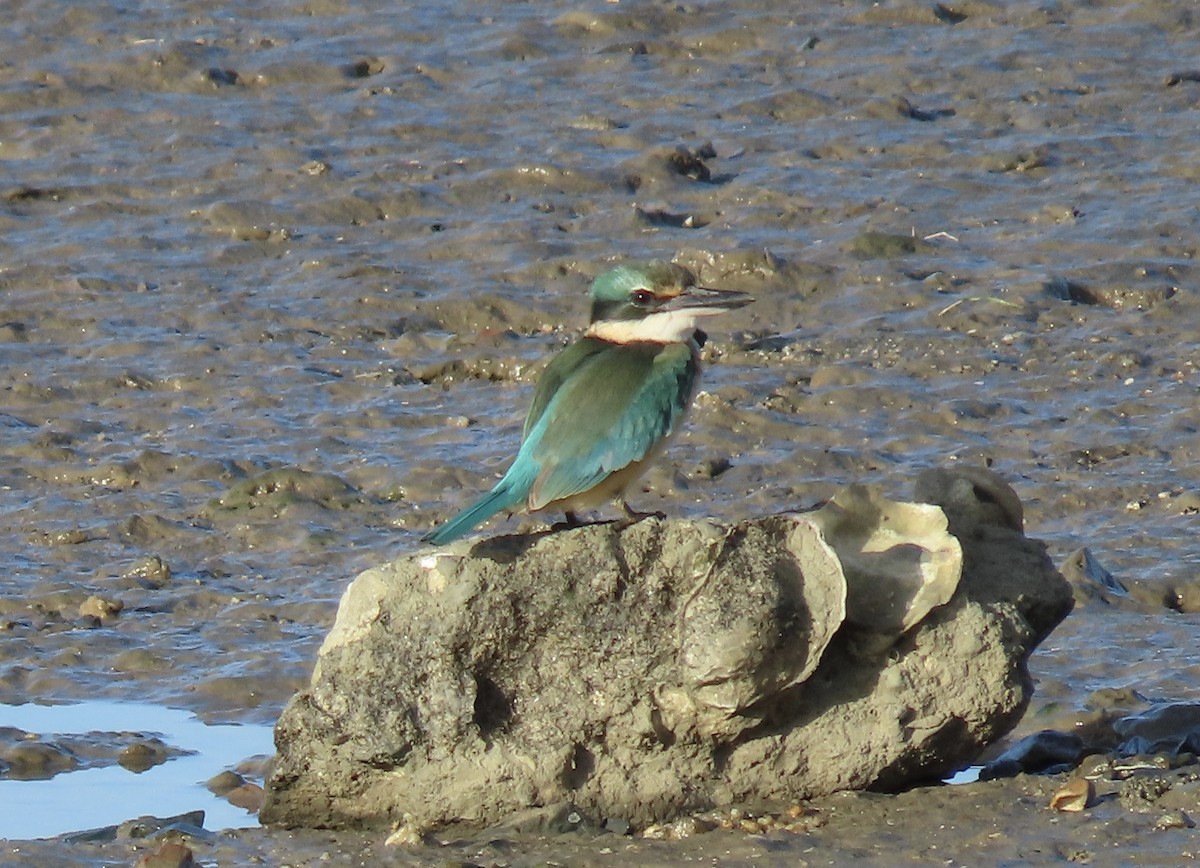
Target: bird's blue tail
{"points": [[504, 496]]}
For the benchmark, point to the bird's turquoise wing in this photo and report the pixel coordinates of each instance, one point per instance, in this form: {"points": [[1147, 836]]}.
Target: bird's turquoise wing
{"points": [[609, 410], [560, 369]]}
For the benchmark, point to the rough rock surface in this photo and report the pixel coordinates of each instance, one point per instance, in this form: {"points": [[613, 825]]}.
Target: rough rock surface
{"points": [[634, 672]]}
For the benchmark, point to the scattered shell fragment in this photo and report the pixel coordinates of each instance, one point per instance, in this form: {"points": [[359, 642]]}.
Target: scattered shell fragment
{"points": [[900, 562], [406, 834], [795, 819], [1074, 796]]}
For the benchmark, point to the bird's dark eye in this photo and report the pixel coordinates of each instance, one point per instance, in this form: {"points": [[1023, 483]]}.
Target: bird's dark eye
{"points": [[642, 296]]}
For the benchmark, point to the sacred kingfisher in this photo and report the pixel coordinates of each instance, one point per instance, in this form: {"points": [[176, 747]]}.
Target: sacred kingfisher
{"points": [[606, 405]]}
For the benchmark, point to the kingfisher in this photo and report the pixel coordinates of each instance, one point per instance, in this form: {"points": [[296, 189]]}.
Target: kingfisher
{"points": [[605, 406]]}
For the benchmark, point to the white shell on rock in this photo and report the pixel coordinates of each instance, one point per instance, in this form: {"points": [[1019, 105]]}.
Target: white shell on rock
{"points": [[899, 559]]}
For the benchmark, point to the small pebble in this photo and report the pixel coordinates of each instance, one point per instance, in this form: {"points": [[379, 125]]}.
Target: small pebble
{"points": [[169, 855], [100, 607], [248, 797], [1174, 820], [66, 537], [151, 572], [225, 782], [31, 760], [142, 755], [617, 826]]}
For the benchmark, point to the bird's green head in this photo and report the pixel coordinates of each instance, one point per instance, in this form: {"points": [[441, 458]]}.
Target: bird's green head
{"points": [[639, 291]]}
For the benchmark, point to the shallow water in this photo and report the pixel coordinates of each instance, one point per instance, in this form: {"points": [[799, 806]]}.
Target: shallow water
{"points": [[275, 283], [74, 801]]}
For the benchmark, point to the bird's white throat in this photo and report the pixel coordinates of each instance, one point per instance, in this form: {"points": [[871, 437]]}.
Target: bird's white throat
{"points": [[664, 327]]}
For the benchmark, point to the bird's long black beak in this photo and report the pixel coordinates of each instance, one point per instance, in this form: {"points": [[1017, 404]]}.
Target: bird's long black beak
{"points": [[708, 299]]}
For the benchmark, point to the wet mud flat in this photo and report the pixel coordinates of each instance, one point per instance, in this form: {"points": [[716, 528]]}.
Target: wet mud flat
{"points": [[1003, 822], [276, 285]]}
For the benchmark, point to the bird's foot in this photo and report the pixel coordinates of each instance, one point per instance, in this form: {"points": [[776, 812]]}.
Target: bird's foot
{"points": [[570, 519], [634, 515]]}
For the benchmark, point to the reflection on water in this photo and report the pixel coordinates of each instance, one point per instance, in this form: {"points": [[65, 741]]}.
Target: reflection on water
{"points": [[74, 801]]}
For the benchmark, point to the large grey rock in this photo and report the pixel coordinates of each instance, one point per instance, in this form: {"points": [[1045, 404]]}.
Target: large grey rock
{"points": [[634, 672]]}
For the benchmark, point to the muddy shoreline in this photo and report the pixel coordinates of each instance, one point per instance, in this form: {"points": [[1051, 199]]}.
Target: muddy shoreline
{"points": [[277, 282]]}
